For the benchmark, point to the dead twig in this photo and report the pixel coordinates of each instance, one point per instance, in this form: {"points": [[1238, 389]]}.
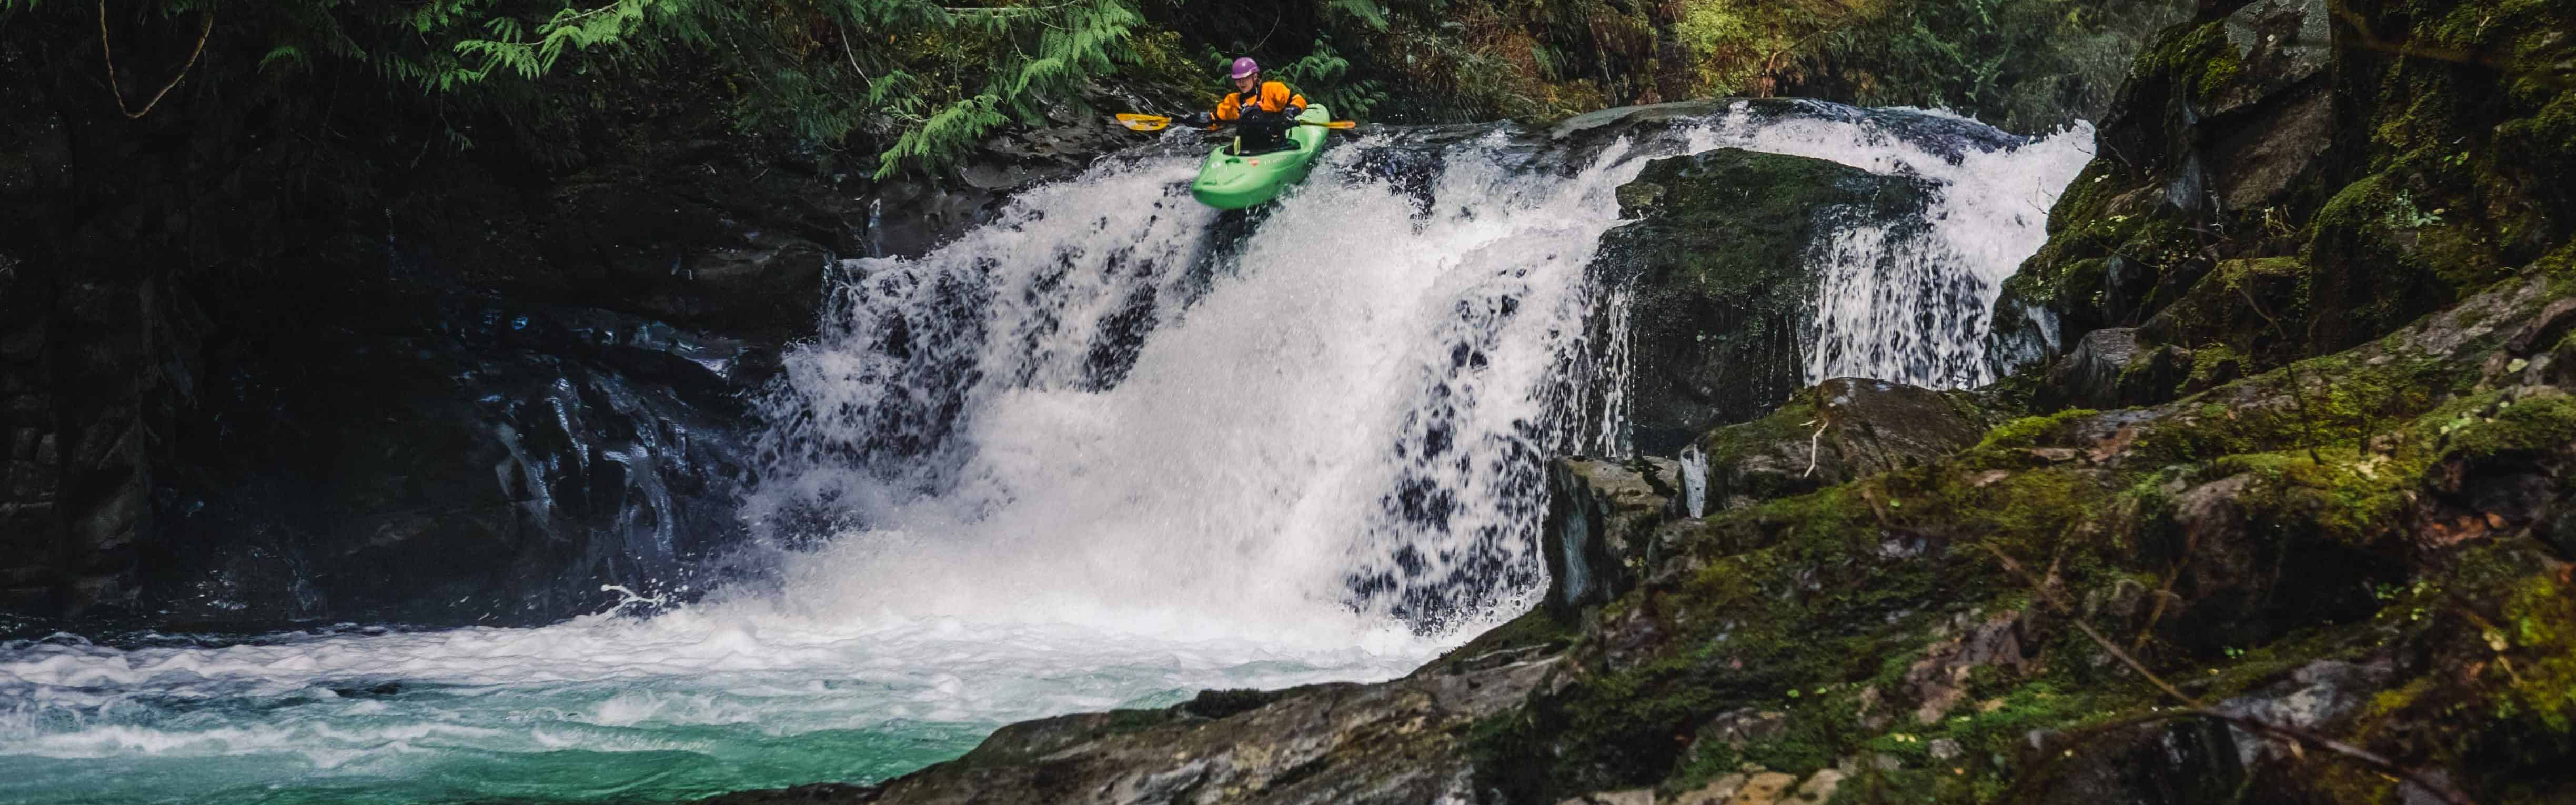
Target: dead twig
{"points": [[1815, 446]]}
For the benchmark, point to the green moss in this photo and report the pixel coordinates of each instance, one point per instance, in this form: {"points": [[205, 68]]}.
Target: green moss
{"points": [[2212, 364], [2539, 625], [1126, 721], [2490, 425], [2033, 431], [1792, 420], [2220, 71]]}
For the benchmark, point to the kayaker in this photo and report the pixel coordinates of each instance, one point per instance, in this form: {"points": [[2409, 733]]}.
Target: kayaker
{"points": [[1262, 116]]}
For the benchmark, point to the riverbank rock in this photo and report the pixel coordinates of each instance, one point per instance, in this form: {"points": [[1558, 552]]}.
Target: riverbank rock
{"points": [[1397, 743], [1722, 281]]}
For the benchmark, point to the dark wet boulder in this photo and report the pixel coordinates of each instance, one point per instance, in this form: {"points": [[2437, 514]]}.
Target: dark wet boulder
{"points": [[2115, 366], [1723, 286], [2341, 191], [487, 464], [1601, 516]]}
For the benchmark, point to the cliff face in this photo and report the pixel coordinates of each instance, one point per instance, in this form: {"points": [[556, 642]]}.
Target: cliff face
{"points": [[2321, 555]]}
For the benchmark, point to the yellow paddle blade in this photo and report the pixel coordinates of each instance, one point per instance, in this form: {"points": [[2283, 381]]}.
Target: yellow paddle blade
{"points": [[1336, 124], [1143, 122]]}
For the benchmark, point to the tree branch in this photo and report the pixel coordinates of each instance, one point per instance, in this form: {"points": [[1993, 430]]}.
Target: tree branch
{"points": [[109, 52]]}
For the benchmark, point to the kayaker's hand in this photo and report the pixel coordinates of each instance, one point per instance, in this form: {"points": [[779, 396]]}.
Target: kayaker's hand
{"points": [[1199, 119]]}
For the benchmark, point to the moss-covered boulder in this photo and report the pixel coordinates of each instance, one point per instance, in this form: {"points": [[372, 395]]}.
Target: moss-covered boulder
{"points": [[1840, 430], [1724, 288]]}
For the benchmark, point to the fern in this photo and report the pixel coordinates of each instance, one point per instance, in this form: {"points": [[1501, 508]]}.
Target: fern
{"points": [[1366, 11], [943, 136], [1032, 56], [1323, 75]]}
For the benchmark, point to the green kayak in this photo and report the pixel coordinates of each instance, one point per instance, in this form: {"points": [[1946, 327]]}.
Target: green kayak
{"points": [[1230, 182]]}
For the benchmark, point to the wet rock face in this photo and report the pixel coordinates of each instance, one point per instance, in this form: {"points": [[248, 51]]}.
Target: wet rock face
{"points": [[2282, 47], [499, 465], [1723, 284], [1601, 517], [399, 425]]}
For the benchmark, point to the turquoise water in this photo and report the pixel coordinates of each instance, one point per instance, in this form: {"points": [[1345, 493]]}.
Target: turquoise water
{"points": [[600, 709], [705, 760]]}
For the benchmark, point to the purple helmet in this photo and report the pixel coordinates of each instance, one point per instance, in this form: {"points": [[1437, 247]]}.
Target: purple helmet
{"points": [[1245, 67]]}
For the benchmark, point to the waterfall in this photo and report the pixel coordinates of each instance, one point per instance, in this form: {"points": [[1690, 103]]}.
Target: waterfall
{"points": [[1913, 301], [1109, 449]]}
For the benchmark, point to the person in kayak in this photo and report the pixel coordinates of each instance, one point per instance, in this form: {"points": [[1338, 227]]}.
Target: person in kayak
{"points": [[1263, 111]]}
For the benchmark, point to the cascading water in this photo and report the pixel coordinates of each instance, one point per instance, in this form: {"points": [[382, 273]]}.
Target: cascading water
{"points": [[1912, 301], [1106, 451]]}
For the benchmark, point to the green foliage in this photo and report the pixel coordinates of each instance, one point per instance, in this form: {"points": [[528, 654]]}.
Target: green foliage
{"points": [[943, 77], [1324, 76], [1739, 48], [1368, 12], [930, 79], [2021, 64]]}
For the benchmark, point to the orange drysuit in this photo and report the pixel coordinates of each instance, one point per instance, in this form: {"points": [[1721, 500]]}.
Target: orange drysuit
{"points": [[1272, 96]]}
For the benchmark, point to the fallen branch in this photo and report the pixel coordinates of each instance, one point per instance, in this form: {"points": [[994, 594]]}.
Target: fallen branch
{"points": [[110, 53], [2164, 592], [2195, 707]]}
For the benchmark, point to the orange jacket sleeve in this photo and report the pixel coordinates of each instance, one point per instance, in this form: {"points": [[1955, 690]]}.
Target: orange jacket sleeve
{"points": [[1231, 108], [1276, 97]]}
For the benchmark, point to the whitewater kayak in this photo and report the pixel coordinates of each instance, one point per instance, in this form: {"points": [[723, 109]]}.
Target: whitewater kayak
{"points": [[1232, 182]]}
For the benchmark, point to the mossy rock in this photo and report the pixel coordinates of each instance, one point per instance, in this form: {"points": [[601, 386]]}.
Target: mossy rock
{"points": [[1839, 430]]}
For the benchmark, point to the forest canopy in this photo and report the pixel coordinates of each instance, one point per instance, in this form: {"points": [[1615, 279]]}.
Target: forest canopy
{"points": [[918, 83]]}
